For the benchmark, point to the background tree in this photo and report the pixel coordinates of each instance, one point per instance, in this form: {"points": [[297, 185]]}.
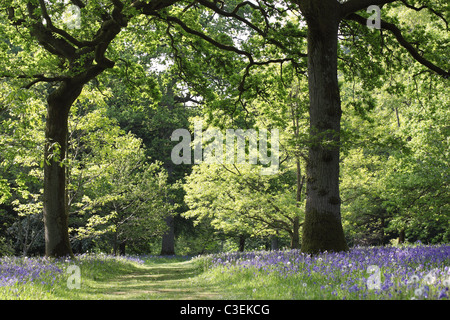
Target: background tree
{"points": [[111, 183], [116, 196], [237, 199], [394, 170]]}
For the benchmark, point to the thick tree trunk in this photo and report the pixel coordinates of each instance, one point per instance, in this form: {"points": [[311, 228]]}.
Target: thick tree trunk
{"points": [[55, 194], [322, 228]]}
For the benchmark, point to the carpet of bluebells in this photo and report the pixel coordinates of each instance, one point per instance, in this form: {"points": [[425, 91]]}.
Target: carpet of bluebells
{"points": [[41, 277], [409, 272]]}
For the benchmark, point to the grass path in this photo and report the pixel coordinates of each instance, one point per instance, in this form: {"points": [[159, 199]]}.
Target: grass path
{"points": [[167, 280]]}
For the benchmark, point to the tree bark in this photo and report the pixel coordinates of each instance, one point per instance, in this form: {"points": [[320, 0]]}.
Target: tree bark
{"points": [[168, 238], [242, 242], [56, 213], [274, 242], [401, 236], [295, 239], [122, 247], [322, 228]]}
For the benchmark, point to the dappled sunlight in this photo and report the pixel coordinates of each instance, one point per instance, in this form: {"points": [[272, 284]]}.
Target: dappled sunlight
{"points": [[166, 281]]}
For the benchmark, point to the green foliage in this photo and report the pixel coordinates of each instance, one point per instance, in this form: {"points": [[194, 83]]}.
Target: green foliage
{"points": [[115, 192], [394, 172], [111, 182], [240, 200], [190, 61]]}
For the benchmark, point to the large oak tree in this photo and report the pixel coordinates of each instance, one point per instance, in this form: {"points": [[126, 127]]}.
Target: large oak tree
{"points": [[322, 20], [322, 228], [80, 57]]}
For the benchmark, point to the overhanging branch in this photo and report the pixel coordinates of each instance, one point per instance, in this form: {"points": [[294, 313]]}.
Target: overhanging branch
{"points": [[428, 8], [352, 6], [36, 78], [229, 48], [403, 42], [208, 38], [42, 78]]}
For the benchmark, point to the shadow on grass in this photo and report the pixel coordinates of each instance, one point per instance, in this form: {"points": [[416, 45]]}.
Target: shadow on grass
{"points": [[160, 280]]}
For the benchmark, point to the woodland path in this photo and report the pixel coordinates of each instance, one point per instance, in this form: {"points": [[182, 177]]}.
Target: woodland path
{"points": [[158, 281]]}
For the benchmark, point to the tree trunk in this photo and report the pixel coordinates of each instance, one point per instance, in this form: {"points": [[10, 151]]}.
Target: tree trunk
{"points": [[241, 243], [56, 213], [274, 242], [401, 236], [295, 238], [322, 228], [168, 238], [122, 247]]}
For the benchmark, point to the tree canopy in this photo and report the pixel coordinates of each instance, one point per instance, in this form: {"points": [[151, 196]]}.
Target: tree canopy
{"points": [[362, 112]]}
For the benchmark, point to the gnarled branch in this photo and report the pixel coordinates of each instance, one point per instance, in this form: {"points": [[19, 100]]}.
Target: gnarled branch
{"points": [[403, 42], [353, 6], [428, 8]]}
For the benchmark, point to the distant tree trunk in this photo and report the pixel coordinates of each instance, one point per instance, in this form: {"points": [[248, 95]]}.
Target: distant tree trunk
{"points": [[25, 241], [274, 242], [401, 236], [115, 242], [241, 243], [122, 247], [382, 235], [295, 239], [56, 213], [168, 238], [322, 228]]}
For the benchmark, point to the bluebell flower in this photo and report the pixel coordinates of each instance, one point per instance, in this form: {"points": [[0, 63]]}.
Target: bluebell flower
{"points": [[443, 294]]}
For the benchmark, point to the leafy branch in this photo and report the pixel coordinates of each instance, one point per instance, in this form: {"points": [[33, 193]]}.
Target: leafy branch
{"points": [[403, 42]]}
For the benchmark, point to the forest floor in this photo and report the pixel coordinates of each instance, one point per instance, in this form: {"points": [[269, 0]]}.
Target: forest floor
{"points": [[364, 273], [166, 281]]}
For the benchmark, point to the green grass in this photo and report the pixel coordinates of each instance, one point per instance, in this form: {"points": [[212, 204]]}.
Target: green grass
{"points": [[117, 278], [407, 273], [254, 284], [154, 280]]}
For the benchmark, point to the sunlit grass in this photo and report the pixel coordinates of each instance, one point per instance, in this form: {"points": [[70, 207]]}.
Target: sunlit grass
{"points": [[41, 278], [103, 277]]}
